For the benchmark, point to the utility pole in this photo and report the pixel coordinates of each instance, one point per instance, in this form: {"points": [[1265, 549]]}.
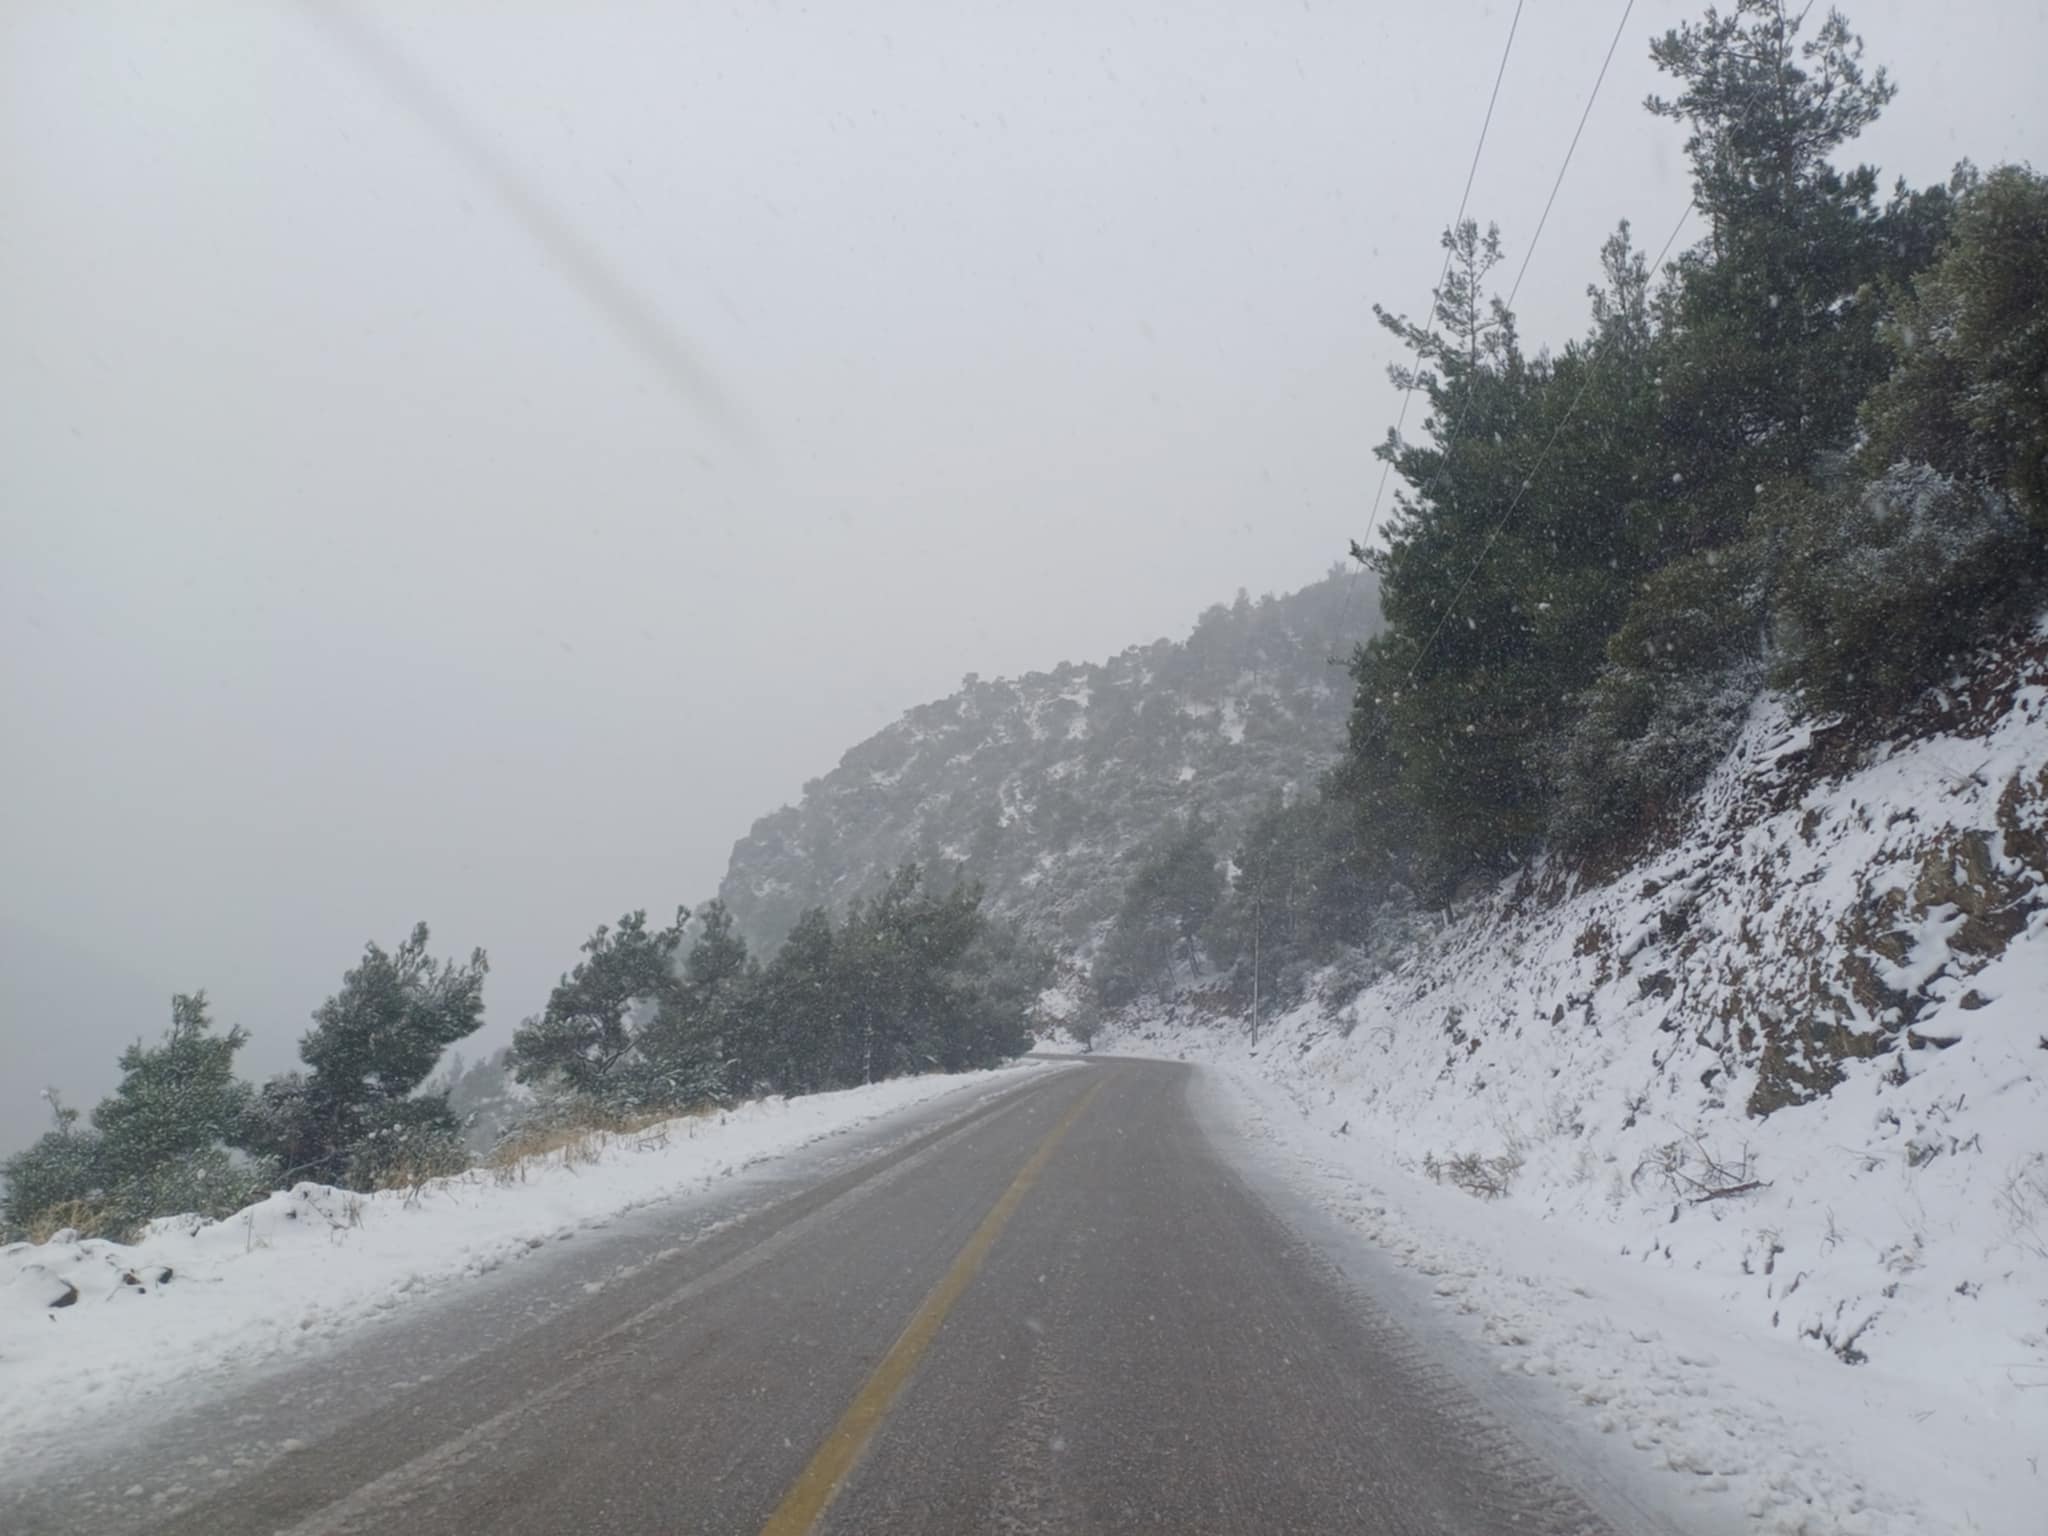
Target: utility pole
{"points": [[1258, 923]]}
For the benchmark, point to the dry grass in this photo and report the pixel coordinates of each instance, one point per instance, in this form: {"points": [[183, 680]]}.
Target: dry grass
{"points": [[411, 1173], [89, 1218], [584, 1140], [2024, 1199], [1488, 1178]]}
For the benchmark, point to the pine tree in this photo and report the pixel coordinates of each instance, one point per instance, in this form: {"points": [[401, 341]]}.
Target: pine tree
{"points": [[482, 1098], [699, 1044], [1775, 327], [798, 1007], [164, 1131], [354, 1118], [1508, 557], [158, 1145], [1304, 886], [996, 985], [587, 1034], [1173, 891], [1579, 575]]}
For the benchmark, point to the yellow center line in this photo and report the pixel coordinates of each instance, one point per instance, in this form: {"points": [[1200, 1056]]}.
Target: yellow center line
{"points": [[814, 1489]]}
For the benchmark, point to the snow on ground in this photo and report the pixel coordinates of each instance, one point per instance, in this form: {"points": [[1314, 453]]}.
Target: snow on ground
{"points": [[305, 1266], [1831, 1317]]}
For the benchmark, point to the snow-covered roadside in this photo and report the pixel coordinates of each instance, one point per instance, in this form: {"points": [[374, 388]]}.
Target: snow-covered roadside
{"points": [[304, 1267], [1746, 1149], [1745, 1432]]}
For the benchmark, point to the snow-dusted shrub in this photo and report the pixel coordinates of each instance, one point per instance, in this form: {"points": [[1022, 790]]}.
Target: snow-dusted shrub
{"points": [[1681, 671], [52, 1183], [1881, 587], [1970, 346], [1646, 740], [1348, 975], [1486, 1178], [410, 1143]]}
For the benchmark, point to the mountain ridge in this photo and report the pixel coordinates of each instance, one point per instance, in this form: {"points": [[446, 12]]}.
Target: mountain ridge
{"points": [[1041, 786]]}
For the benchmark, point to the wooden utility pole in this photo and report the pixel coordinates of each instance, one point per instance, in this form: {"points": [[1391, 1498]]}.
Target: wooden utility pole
{"points": [[1258, 924]]}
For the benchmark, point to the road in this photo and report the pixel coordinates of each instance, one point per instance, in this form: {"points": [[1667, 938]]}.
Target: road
{"points": [[1057, 1310]]}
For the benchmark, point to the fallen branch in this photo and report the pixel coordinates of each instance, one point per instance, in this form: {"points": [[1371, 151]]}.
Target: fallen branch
{"points": [[1733, 1189]]}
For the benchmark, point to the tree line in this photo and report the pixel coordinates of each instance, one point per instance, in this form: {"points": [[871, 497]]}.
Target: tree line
{"points": [[1808, 453], [649, 1021]]}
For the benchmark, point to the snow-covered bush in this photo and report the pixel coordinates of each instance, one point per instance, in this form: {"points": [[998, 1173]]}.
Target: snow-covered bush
{"points": [[1680, 674], [1645, 742], [1970, 347], [155, 1147], [50, 1183], [1880, 587], [1486, 1178]]}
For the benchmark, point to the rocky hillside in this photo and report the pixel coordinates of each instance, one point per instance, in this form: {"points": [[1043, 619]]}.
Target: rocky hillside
{"points": [[1041, 786]]}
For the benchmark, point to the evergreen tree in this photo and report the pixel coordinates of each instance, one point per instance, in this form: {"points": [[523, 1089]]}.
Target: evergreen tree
{"points": [[482, 1098], [1510, 556], [353, 1118], [1775, 328], [587, 1034], [896, 962], [1171, 895], [993, 991], [798, 1008], [1570, 646], [176, 1097], [1970, 340], [1887, 583], [56, 1180], [1304, 887], [163, 1132], [158, 1143], [700, 1043], [1934, 533]]}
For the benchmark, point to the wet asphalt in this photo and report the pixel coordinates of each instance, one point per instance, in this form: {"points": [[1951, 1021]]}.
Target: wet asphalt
{"points": [[1145, 1345]]}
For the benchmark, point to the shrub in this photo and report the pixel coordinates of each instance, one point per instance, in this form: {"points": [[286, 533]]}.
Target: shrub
{"points": [[1680, 675], [60, 1171], [405, 1144], [1883, 585], [1487, 1178], [1643, 744], [1971, 344]]}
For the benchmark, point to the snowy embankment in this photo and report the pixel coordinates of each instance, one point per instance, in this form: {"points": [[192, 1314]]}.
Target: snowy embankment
{"points": [[1745, 1150], [91, 1330]]}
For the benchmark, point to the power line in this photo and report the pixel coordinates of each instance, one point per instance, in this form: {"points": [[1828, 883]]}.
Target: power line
{"points": [[1436, 293], [1570, 150], [1458, 427], [1529, 479]]}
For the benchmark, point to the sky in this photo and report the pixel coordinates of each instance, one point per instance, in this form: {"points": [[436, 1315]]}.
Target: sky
{"points": [[465, 462]]}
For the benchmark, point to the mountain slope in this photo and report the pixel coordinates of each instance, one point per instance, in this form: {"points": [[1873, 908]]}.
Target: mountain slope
{"points": [[1041, 786]]}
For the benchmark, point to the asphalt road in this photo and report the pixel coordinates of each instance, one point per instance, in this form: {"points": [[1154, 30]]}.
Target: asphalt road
{"points": [[1055, 1310]]}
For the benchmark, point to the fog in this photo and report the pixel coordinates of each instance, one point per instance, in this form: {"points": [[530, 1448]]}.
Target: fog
{"points": [[466, 462]]}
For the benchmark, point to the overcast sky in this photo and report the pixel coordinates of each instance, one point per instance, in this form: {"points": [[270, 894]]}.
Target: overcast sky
{"points": [[468, 461]]}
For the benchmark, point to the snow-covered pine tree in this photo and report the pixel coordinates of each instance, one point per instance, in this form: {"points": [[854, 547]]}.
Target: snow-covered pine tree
{"points": [[356, 1117]]}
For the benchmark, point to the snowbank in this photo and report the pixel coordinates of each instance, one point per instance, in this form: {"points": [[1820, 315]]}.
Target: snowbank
{"points": [[91, 1329], [1746, 1149]]}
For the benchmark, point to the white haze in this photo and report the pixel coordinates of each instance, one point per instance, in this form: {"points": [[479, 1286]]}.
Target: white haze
{"points": [[466, 461]]}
